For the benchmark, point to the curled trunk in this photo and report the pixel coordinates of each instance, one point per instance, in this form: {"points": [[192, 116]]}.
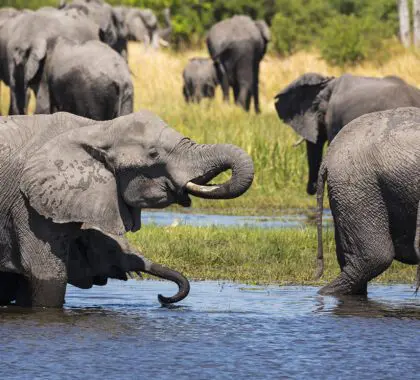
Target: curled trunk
{"points": [[217, 159]]}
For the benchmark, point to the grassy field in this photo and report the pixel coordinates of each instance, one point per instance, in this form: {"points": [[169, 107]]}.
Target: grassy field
{"points": [[279, 256]]}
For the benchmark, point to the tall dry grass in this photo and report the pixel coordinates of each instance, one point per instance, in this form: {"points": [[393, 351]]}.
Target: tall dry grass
{"points": [[280, 169]]}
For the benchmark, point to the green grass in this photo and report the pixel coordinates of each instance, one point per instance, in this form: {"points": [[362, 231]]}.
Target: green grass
{"points": [[249, 255]]}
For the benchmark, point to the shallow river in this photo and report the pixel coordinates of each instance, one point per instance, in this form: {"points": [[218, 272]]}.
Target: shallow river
{"points": [[220, 331]]}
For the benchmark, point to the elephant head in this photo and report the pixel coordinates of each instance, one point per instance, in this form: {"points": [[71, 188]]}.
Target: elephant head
{"points": [[96, 177], [102, 14], [302, 105], [142, 25], [101, 175]]}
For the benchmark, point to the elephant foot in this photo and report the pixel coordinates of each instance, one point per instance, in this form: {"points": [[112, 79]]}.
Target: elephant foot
{"points": [[343, 286]]}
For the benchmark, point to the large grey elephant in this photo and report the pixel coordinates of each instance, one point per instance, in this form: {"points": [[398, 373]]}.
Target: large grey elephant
{"points": [[28, 38], [200, 79], [372, 168], [88, 79], [103, 15], [71, 187], [317, 107], [237, 45]]}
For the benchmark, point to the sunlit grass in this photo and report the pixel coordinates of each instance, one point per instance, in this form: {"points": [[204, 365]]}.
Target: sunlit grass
{"points": [[251, 255]]}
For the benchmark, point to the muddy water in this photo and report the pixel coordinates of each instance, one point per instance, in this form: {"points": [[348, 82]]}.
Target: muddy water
{"points": [[221, 331]]}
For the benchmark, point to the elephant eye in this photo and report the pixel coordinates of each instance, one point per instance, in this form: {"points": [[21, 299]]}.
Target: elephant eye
{"points": [[153, 153]]}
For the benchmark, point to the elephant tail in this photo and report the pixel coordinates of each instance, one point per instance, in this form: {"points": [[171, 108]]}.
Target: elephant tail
{"points": [[322, 177], [417, 248]]}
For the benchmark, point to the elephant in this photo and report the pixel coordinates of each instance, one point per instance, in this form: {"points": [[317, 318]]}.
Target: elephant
{"points": [[103, 15], [7, 13], [237, 45], [90, 80], [200, 79], [372, 171], [72, 186], [28, 38], [142, 25], [318, 107]]}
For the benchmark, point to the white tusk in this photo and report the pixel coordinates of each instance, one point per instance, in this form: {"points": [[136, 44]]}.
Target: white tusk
{"points": [[297, 143], [194, 188], [163, 42]]}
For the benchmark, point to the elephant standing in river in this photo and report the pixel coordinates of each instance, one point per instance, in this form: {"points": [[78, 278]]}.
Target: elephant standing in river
{"points": [[372, 168], [25, 42], [200, 79], [317, 107], [71, 187], [237, 45], [89, 79]]}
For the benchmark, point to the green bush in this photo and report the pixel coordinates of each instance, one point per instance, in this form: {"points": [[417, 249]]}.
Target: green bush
{"points": [[298, 24], [348, 40]]}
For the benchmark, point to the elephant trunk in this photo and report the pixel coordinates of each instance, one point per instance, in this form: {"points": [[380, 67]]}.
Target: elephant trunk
{"points": [[216, 159], [171, 275]]}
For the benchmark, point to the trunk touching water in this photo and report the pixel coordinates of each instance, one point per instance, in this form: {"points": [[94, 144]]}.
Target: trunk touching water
{"points": [[171, 275], [216, 159]]}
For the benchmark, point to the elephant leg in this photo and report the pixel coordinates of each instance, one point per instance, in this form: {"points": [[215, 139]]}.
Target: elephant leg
{"points": [[236, 92], [245, 79], [223, 79], [255, 90], [364, 247], [43, 104]]}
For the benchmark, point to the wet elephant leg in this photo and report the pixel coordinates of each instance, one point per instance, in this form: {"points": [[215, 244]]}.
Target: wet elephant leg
{"points": [[363, 245]]}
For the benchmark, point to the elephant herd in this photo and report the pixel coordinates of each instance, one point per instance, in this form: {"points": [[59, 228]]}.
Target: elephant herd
{"points": [[76, 175], [74, 57]]}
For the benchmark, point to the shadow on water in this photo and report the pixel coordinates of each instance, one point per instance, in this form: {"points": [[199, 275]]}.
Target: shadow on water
{"points": [[221, 330]]}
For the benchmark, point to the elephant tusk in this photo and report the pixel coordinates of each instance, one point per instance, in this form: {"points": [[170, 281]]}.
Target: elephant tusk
{"points": [[199, 189], [297, 143], [163, 42]]}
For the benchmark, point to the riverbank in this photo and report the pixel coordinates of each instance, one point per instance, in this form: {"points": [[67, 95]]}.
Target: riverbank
{"points": [[249, 255]]}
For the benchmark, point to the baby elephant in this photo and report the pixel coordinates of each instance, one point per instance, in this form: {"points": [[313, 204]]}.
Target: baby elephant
{"points": [[200, 79], [89, 79], [373, 171]]}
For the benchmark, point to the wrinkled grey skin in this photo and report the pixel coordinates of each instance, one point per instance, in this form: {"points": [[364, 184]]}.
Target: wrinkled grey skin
{"points": [[71, 187], [103, 15], [25, 41], [90, 80], [318, 107], [200, 79], [237, 45], [372, 170], [7, 13], [142, 25]]}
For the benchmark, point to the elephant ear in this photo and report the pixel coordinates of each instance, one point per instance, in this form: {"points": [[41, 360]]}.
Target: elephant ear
{"points": [[297, 105], [264, 29], [68, 180]]}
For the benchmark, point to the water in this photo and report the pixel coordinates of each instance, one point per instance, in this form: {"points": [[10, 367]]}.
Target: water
{"points": [[220, 331], [165, 218]]}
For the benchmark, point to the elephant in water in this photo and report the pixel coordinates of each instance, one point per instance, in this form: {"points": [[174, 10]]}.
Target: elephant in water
{"points": [[237, 45], [200, 79], [89, 79], [71, 187], [372, 168], [317, 107]]}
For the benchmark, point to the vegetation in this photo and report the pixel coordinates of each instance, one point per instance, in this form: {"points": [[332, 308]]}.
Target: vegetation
{"points": [[283, 256]]}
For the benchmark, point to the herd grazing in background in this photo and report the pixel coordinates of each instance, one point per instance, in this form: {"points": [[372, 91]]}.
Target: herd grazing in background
{"points": [[74, 59]]}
